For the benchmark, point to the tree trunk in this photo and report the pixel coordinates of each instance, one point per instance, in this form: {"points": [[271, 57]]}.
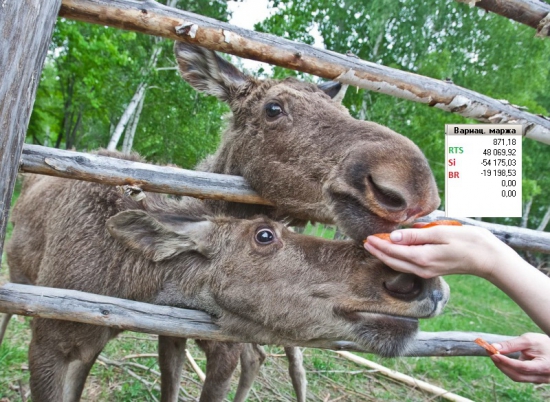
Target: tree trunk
{"points": [[71, 135], [545, 220], [131, 131], [128, 114], [130, 109], [26, 28], [526, 211]]}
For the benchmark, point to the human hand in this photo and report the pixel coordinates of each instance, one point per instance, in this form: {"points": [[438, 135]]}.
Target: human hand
{"points": [[534, 361], [442, 250]]}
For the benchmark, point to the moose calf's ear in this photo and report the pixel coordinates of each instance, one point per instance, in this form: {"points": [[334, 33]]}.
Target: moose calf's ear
{"points": [[141, 232], [334, 89], [207, 72]]}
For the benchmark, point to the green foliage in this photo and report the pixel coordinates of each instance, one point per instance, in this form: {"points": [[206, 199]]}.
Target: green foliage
{"points": [[90, 76]]}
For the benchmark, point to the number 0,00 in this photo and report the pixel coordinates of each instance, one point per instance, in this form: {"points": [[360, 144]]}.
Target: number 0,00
{"points": [[508, 193]]}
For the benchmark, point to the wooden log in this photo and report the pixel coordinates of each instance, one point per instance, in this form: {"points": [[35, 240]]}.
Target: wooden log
{"points": [[157, 179], [516, 237], [26, 28], [72, 305], [533, 13], [153, 18], [170, 180]]}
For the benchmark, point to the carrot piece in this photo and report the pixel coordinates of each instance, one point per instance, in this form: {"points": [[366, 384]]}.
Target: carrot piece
{"points": [[383, 236], [442, 223], [488, 347], [386, 236]]}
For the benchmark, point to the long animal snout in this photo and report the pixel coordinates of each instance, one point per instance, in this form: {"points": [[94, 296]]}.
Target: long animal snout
{"points": [[394, 191], [374, 190]]}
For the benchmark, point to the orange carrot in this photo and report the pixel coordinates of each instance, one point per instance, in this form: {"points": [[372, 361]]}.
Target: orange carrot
{"points": [[386, 236], [383, 236], [442, 223], [488, 347]]}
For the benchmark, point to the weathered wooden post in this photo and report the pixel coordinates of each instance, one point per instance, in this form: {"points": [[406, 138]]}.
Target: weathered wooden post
{"points": [[26, 28]]}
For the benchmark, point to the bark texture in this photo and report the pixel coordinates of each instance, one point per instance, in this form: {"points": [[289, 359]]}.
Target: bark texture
{"points": [[26, 28], [533, 13], [153, 178]]}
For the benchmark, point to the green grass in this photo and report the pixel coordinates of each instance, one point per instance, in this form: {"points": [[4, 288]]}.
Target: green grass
{"points": [[475, 305]]}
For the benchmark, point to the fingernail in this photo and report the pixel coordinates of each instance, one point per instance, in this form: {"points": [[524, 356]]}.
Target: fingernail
{"points": [[497, 346], [396, 236]]}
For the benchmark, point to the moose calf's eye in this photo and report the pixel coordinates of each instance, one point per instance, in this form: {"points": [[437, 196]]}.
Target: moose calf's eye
{"points": [[273, 109], [265, 236]]}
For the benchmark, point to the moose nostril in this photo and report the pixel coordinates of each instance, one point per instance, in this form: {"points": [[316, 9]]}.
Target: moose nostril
{"points": [[389, 198], [404, 286], [437, 296]]}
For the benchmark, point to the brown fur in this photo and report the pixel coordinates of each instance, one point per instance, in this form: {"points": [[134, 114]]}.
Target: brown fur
{"points": [[178, 253]]}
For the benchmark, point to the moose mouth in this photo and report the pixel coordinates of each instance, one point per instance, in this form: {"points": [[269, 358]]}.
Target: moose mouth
{"points": [[384, 334], [355, 219]]}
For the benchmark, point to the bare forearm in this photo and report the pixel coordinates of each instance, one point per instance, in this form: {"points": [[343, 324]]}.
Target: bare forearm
{"points": [[527, 286]]}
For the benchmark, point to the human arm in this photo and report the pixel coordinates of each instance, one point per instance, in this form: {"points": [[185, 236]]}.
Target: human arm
{"points": [[445, 250]]}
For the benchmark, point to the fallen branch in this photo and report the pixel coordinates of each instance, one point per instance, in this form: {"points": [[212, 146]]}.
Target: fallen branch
{"points": [[413, 382], [533, 13], [153, 18], [195, 366], [72, 305], [170, 180], [140, 355]]}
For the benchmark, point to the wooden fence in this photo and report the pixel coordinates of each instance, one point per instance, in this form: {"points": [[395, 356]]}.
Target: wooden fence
{"points": [[25, 49]]}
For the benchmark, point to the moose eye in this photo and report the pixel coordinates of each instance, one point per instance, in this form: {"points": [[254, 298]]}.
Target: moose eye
{"points": [[265, 236], [273, 109]]}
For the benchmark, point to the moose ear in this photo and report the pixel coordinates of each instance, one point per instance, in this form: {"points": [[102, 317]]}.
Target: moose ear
{"points": [[334, 89], [207, 72], [141, 232]]}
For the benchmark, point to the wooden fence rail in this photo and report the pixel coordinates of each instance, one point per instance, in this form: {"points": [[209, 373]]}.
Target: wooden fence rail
{"points": [[533, 13], [153, 178], [170, 180], [72, 305], [153, 18]]}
